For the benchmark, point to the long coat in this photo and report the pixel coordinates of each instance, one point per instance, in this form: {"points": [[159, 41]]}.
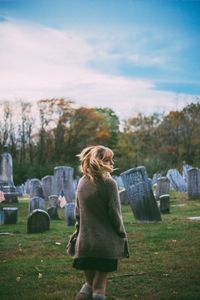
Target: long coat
{"points": [[98, 212]]}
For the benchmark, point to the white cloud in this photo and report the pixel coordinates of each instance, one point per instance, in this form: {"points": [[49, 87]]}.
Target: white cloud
{"points": [[38, 62]]}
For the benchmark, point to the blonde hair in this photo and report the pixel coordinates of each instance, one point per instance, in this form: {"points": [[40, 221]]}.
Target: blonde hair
{"points": [[92, 162]]}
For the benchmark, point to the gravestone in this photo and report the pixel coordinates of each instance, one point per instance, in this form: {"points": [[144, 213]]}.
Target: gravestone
{"points": [[162, 187], [47, 186], [10, 215], [164, 204], [186, 169], [36, 188], [36, 203], [53, 201], [63, 181], [6, 178], [155, 178], [38, 221], [2, 216], [53, 212], [194, 183], [176, 180], [70, 214], [123, 196], [142, 201]]}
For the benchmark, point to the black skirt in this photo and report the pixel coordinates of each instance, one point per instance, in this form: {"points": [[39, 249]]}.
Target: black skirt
{"points": [[96, 264]]}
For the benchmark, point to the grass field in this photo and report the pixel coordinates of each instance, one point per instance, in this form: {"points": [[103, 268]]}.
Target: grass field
{"points": [[164, 258]]}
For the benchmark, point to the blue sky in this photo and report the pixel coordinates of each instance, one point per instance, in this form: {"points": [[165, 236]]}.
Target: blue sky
{"points": [[132, 55]]}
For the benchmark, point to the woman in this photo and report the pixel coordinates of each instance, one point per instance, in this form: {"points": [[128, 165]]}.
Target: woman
{"points": [[101, 236]]}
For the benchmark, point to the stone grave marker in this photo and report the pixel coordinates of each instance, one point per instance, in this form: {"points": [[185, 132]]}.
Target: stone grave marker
{"points": [[186, 169], [162, 187], [176, 180], [36, 203], [47, 186], [10, 215], [70, 214], [142, 201], [63, 181], [53, 201], [194, 183], [36, 188], [164, 204], [38, 221], [53, 212]]}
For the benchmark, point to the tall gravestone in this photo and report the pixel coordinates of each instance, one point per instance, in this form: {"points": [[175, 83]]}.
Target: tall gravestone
{"points": [[176, 180], [162, 187], [47, 186], [36, 203], [6, 178], [140, 195], [63, 181], [194, 183]]}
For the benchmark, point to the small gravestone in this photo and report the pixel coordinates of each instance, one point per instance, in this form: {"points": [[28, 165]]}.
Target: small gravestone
{"points": [[70, 214], [140, 194], [10, 215], [164, 204], [155, 178], [186, 169], [176, 180], [162, 187], [36, 188], [123, 196], [63, 181], [194, 183], [2, 216], [47, 186], [38, 221], [36, 203], [53, 201], [53, 212]]}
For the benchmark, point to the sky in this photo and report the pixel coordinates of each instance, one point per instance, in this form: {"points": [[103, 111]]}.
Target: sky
{"points": [[131, 55]]}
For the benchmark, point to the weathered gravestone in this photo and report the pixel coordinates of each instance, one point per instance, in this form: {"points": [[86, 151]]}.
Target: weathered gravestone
{"points": [[162, 187], [47, 186], [2, 216], [10, 215], [63, 181], [186, 169], [6, 178], [140, 195], [36, 203], [70, 214], [36, 188], [155, 178], [53, 201], [164, 204], [38, 221], [123, 196], [194, 183], [176, 180], [53, 212]]}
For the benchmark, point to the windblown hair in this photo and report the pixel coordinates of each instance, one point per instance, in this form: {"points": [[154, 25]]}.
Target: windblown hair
{"points": [[92, 162]]}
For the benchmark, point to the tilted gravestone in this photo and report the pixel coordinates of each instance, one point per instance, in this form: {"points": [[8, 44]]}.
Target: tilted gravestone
{"points": [[47, 186], [36, 203], [140, 195], [70, 214], [36, 188], [186, 169], [164, 204], [176, 180], [38, 221], [63, 181], [162, 187], [194, 183]]}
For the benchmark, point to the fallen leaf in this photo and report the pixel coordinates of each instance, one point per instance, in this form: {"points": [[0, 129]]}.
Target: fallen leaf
{"points": [[39, 275]]}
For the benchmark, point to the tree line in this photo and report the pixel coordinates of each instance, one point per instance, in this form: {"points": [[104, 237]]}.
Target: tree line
{"points": [[53, 133]]}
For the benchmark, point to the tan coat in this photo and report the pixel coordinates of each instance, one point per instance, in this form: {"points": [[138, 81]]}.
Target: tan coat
{"points": [[98, 211]]}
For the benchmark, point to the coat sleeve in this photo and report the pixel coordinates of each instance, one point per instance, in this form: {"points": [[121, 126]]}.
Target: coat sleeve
{"points": [[114, 209], [77, 214]]}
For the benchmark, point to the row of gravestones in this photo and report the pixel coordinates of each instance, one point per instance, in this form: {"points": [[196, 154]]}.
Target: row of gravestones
{"points": [[138, 190]]}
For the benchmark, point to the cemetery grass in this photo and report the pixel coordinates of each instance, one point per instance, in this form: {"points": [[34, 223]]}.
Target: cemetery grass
{"points": [[164, 258]]}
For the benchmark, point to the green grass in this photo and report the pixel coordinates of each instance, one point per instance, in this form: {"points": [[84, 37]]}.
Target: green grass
{"points": [[164, 258]]}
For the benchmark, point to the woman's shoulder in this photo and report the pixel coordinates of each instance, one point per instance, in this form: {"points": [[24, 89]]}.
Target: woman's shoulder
{"points": [[110, 182]]}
